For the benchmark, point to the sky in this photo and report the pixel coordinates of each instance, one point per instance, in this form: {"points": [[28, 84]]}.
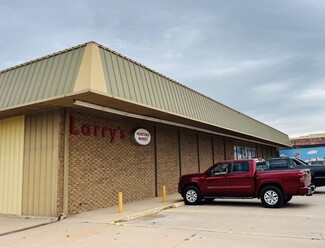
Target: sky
{"points": [[265, 59]]}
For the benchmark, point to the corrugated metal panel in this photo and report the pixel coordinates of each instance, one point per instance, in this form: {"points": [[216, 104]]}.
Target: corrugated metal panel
{"points": [[41, 164], [40, 79], [56, 75], [134, 82], [11, 164]]}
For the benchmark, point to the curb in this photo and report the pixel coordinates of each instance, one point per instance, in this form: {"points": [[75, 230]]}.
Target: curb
{"points": [[28, 228], [148, 212]]}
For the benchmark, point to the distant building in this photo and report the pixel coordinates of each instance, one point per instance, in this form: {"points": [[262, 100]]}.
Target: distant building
{"points": [[308, 148], [308, 141]]}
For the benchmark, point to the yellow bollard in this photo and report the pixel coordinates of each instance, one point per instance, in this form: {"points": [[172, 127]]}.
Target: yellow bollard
{"points": [[120, 202], [164, 193]]}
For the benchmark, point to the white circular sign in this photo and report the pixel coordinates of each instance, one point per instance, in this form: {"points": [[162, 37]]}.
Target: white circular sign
{"points": [[142, 136]]}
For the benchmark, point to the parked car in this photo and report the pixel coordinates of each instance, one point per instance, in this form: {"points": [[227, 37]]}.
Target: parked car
{"points": [[316, 162], [286, 163], [240, 178]]}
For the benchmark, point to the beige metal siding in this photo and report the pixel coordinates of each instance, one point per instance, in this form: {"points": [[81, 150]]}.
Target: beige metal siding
{"points": [[40, 79], [41, 164], [134, 82], [109, 72], [11, 164]]}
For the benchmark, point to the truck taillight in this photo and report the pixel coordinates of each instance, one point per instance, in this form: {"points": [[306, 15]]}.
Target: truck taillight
{"points": [[304, 175], [301, 177]]}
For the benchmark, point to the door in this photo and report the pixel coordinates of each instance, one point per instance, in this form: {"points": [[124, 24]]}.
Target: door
{"points": [[241, 179], [217, 180]]}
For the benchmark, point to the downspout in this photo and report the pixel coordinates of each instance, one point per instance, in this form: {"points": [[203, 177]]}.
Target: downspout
{"points": [[66, 164]]}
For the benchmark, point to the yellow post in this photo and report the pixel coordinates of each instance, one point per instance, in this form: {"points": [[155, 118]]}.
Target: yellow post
{"points": [[164, 193], [120, 202]]}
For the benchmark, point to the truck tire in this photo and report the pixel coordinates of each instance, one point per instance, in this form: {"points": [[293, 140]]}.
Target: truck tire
{"points": [[272, 197], [192, 195]]}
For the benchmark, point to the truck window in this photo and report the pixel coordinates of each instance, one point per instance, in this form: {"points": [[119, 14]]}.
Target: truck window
{"points": [[297, 163], [279, 164], [219, 169], [240, 167], [263, 166]]}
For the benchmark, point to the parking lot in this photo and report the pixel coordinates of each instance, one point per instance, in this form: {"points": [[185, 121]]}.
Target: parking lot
{"points": [[223, 223]]}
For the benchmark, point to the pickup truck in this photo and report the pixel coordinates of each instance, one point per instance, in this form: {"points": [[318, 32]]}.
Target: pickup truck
{"points": [[239, 178], [287, 163]]}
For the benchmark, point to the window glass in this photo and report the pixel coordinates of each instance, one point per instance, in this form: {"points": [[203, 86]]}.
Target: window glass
{"points": [[263, 166], [244, 152], [219, 169], [279, 164], [240, 167]]}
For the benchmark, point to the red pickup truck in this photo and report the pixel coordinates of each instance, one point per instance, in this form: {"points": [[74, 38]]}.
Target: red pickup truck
{"points": [[239, 178]]}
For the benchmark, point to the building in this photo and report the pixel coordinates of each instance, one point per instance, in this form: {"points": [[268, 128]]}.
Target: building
{"points": [[81, 125], [309, 148], [310, 140]]}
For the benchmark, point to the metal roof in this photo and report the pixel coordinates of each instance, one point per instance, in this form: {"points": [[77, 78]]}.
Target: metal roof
{"points": [[96, 74]]}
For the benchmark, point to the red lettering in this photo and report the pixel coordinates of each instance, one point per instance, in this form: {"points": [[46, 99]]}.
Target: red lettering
{"points": [[112, 133], [89, 130], [97, 128], [86, 130], [104, 130], [122, 134], [73, 129]]}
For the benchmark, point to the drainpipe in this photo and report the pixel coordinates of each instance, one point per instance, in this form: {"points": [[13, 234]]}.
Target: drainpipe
{"points": [[66, 163]]}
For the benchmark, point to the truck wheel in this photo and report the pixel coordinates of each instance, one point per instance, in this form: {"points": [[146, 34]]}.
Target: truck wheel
{"points": [[192, 195], [272, 197]]}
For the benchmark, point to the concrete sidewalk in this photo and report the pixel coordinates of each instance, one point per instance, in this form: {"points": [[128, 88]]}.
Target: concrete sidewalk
{"points": [[11, 224]]}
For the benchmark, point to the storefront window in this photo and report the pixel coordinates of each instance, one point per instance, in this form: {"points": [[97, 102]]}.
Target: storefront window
{"points": [[244, 152]]}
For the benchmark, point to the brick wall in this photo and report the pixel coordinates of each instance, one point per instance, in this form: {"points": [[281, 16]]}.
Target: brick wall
{"points": [[219, 153], [205, 148], [167, 159], [265, 152], [189, 156], [305, 142], [259, 151], [244, 144], [101, 167], [229, 149]]}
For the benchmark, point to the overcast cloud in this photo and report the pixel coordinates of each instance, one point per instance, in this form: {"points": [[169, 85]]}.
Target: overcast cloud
{"points": [[264, 58]]}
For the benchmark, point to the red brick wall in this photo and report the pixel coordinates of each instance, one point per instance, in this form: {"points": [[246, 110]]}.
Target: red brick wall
{"points": [[308, 142]]}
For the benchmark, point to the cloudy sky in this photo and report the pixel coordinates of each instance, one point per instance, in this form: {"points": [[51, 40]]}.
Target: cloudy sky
{"points": [[265, 59]]}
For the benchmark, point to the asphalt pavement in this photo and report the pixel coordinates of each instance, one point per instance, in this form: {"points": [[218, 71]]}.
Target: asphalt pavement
{"points": [[151, 223]]}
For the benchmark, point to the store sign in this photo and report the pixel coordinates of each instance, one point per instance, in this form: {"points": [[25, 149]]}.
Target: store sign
{"points": [[142, 137], [86, 129]]}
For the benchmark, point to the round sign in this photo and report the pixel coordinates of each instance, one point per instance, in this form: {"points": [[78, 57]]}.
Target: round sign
{"points": [[142, 136]]}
